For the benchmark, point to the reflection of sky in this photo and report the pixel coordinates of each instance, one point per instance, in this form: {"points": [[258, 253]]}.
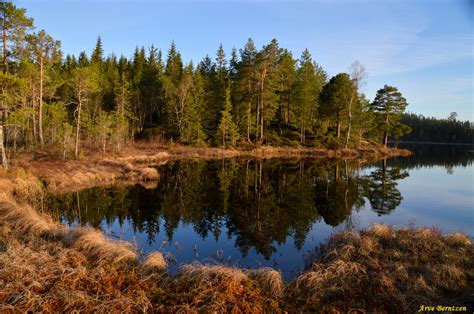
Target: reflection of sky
{"points": [[431, 197], [182, 247]]}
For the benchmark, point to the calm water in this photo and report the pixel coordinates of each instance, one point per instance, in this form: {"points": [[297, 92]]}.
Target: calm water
{"points": [[274, 212]]}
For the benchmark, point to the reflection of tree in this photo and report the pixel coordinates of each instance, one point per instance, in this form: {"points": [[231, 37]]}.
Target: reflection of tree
{"points": [[383, 193], [261, 203], [430, 155], [336, 196]]}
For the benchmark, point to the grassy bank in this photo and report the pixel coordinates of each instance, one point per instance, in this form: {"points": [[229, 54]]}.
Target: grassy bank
{"points": [[380, 270], [48, 267]]}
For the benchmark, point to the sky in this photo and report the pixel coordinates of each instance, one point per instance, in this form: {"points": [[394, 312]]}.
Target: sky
{"points": [[424, 48]]}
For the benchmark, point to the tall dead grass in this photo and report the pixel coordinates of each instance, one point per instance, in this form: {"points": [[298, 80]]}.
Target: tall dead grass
{"points": [[96, 247], [24, 218], [213, 289], [37, 275], [383, 269], [154, 263]]}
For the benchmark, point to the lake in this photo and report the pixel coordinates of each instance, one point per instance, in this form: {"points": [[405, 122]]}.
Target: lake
{"points": [[275, 212]]}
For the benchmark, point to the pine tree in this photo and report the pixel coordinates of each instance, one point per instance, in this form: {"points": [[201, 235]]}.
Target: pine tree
{"points": [[42, 48], [83, 60], [389, 105], [85, 83], [137, 69], [14, 25]]}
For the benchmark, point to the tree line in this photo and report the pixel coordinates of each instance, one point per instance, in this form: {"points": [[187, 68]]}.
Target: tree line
{"points": [[429, 129], [252, 97]]}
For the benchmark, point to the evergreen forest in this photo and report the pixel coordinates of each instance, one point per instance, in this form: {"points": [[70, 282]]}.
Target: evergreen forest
{"points": [[250, 96]]}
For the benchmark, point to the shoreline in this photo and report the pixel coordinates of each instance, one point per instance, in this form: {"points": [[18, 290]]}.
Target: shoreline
{"points": [[434, 143], [136, 164]]}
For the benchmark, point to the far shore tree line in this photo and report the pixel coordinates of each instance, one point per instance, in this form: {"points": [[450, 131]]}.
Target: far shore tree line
{"points": [[252, 97], [429, 129]]}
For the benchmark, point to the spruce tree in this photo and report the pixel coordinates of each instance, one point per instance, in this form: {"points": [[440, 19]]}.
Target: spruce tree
{"points": [[245, 90], [287, 79], [98, 53], [335, 99], [267, 75], [307, 89], [227, 128]]}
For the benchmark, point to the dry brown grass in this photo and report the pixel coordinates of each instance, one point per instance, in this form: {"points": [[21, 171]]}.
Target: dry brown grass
{"points": [[153, 263], [388, 270], [38, 275], [377, 270], [24, 218], [368, 152], [96, 247], [212, 289], [269, 280]]}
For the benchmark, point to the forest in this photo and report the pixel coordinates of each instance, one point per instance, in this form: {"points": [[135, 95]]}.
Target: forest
{"points": [[428, 129], [252, 97]]}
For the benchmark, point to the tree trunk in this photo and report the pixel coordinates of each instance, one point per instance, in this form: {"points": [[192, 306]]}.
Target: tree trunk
{"points": [[385, 134], [4, 43], [348, 134], [249, 121], [2, 148], [288, 111], [78, 125], [40, 113], [257, 114], [338, 133], [261, 103]]}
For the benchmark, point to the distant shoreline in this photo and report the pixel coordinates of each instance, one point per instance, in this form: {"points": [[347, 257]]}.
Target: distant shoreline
{"points": [[438, 143]]}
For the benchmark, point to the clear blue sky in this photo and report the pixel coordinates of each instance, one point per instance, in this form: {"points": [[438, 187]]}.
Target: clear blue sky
{"points": [[425, 48]]}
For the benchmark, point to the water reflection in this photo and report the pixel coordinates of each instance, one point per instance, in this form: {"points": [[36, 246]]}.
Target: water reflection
{"points": [[253, 205], [260, 203]]}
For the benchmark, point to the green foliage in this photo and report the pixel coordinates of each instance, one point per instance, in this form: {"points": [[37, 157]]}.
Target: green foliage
{"points": [[55, 118], [258, 95], [308, 86], [14, 26], [193, 132], [335, 99], [389, 105], [228, 131], [429, 129]]}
